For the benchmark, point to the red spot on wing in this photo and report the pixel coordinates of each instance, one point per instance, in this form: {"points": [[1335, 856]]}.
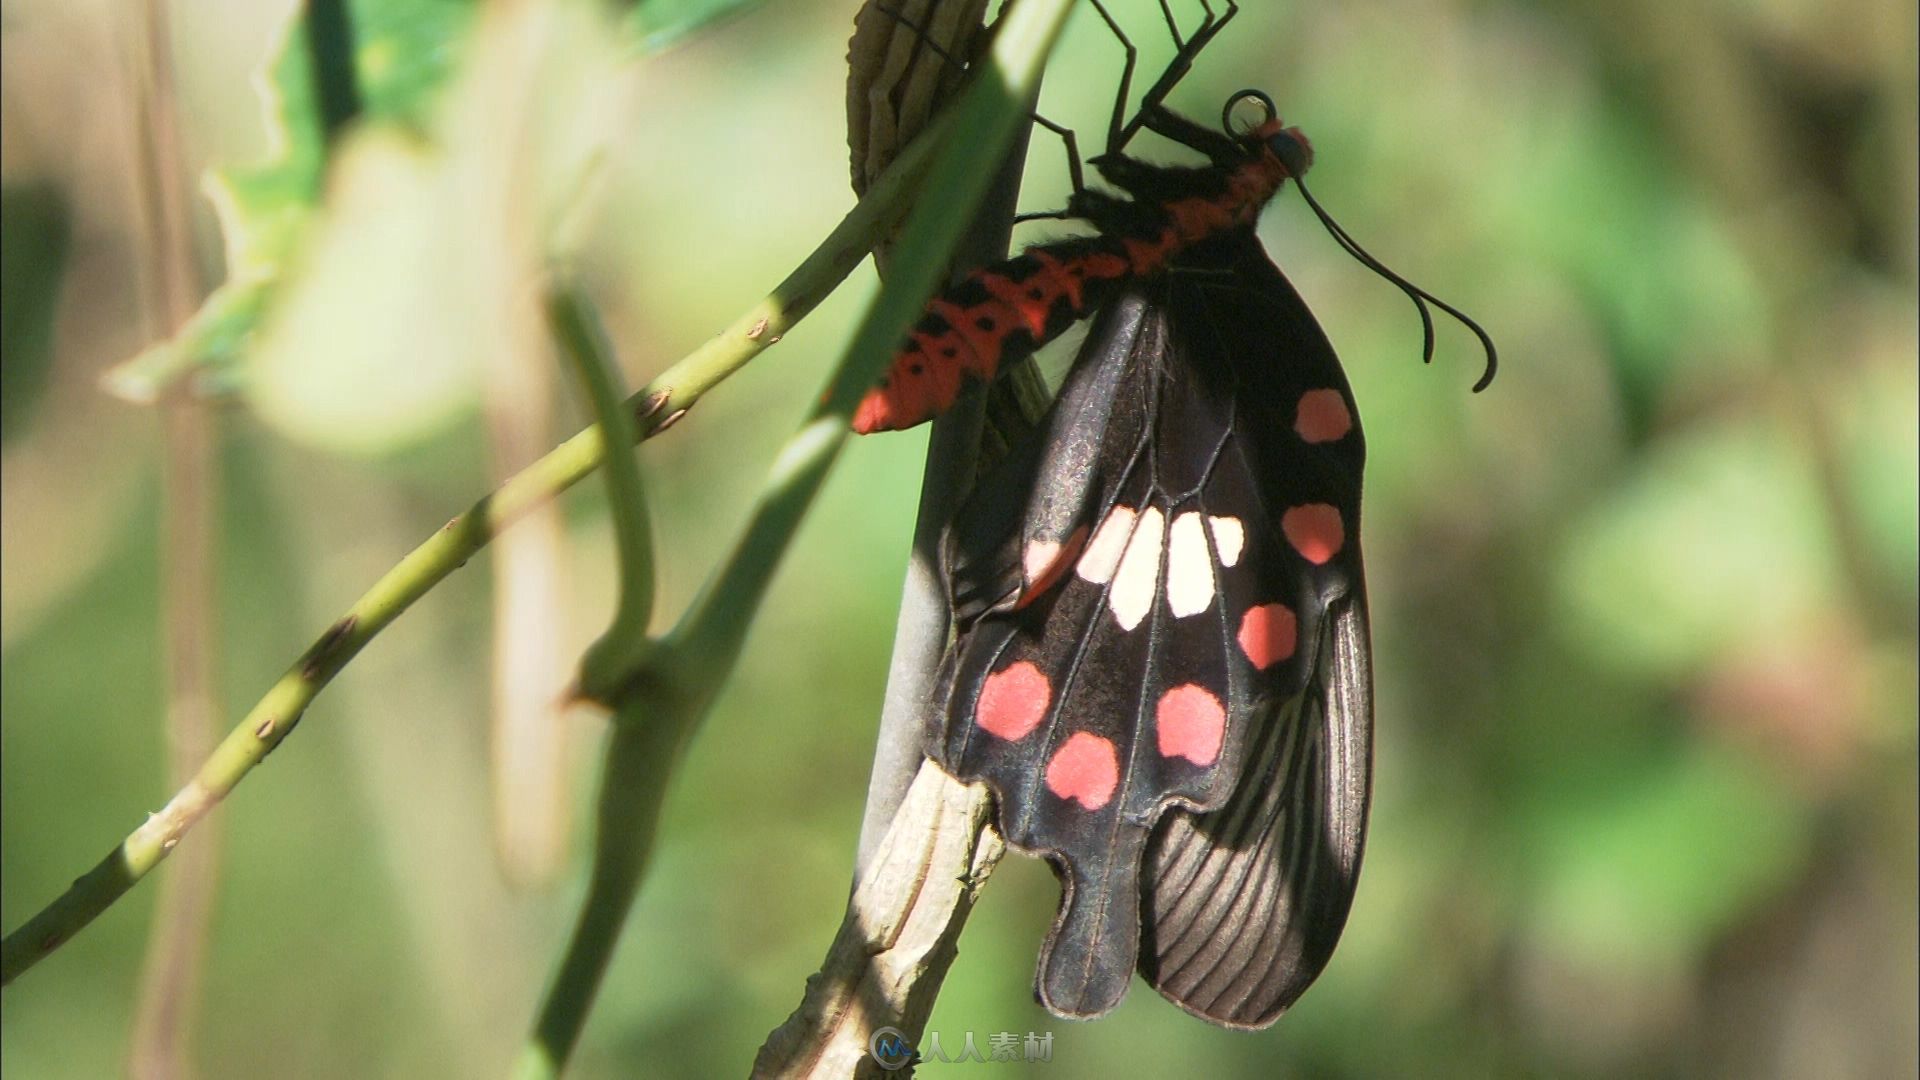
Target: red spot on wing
{"points": [[1013, 701], [1321, 416], [1085, 769], [1190, 722], [1315, 531], [1268, 634]]}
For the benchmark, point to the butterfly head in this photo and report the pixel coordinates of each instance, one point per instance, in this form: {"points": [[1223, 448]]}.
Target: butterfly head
{"points": [[1263, 135]]}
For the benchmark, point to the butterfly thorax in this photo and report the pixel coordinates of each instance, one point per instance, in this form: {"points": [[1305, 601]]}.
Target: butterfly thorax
{"points": [[1007, 310]]}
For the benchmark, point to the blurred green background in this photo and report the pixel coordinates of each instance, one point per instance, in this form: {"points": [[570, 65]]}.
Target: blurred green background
{"points": [[1644, 612]]}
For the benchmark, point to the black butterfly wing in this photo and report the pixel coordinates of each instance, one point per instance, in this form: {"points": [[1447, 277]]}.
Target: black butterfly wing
{"points": [[1037, 645], [1144, 598], [1244, 904]]}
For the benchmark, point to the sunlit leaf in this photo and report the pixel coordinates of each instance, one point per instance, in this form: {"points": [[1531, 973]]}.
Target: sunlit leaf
{"points": [[404, 51]]}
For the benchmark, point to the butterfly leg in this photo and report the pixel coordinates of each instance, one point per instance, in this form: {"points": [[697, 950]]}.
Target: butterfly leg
{"points": [[1186, 51], [1066, 134], [1119, 117], [1072, 146], [1218, 147]]}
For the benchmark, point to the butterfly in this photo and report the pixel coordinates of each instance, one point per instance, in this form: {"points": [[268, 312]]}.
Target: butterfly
{"points": [[1161, 661]]}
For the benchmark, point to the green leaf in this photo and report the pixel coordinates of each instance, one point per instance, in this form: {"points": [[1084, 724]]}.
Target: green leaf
{"points": [[404, 52]]}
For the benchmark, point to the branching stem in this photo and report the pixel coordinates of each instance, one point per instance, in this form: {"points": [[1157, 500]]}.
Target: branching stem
{"points": [[659, 403]]}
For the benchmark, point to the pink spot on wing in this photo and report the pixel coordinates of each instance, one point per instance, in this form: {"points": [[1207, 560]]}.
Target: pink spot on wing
{"points": [[1315, 531], [1321, 416], [1013, 701], [1268, 634], [1085, 769], [1191, 723]]}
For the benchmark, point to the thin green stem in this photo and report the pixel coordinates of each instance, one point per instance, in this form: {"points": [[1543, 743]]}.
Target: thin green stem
{"points": [[986, 119], [620, 649], [668, 699], [642, 751], [662, 401]]}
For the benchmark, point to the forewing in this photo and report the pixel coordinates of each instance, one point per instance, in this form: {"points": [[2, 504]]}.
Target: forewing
{"points": [[1029, 516]]}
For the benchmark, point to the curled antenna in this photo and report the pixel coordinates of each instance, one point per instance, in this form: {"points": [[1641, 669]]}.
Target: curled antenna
{"points": [[1241, 97], [1420, 297]]}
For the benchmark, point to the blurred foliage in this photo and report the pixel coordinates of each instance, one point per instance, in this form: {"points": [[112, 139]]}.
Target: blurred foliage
{"points": [[660, 23], [402, 56], [33, 253], [1645, 610], [33, 231]]}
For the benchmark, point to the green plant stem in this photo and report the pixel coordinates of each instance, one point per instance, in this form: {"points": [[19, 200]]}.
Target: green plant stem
{"points": [[986, 119], [642, 751], [669, 698], [648, 730], [620, 649], [663, 400]]}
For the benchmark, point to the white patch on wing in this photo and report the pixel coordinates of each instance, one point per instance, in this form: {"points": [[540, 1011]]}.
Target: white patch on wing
{"points": [[1138, 576], [1039, 558], [1230, 537], [1189, 567], [1103, 551]]}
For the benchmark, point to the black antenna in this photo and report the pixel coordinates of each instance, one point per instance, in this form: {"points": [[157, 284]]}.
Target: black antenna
{"points": [[1420, 297], [1293, 155]]}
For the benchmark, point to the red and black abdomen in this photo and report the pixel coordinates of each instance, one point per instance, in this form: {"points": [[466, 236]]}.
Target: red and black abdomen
{"points": [[997, 314]]}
